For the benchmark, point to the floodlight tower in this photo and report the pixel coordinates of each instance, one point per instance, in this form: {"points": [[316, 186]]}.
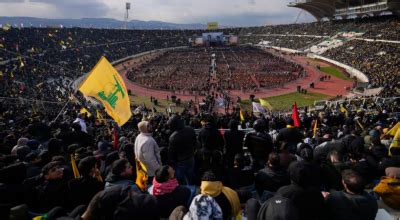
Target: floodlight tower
{"points": [[127, 8]]}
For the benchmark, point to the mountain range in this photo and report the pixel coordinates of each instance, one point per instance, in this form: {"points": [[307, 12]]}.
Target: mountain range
{"points": [[95, 23]]}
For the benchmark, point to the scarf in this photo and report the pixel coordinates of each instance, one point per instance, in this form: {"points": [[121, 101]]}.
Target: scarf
{"points": [[214, 188], [164, 188]]}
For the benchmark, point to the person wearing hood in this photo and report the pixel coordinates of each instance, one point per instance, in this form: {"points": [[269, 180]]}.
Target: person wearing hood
{"points": [[121, 174], [352, 203], [146, 149], [226, 198], [181, 147]]}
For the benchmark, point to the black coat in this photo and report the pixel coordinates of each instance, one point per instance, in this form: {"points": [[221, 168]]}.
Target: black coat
{"points": [[182, 142], [50, 194], [271, 179], [82, 190], [168, 202], [309, 202], [210, 138], [342, 205], [233, 144], [259, 145], [291, 136]]}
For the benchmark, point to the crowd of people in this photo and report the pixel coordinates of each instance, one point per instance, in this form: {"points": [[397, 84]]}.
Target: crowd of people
{"points": [[379, 61], [35, 61], [237, 68], [59, 163], [195, 171]]}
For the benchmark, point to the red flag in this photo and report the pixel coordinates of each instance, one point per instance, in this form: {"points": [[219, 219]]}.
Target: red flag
{"points": [[115, 146], [295, 116]]}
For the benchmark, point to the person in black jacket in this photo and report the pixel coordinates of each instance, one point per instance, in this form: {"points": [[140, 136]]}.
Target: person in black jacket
{"points": [[82, 190], [273, 176], [352, 203], [52, 192], [233, 141], [209, 136], [182, 143], [289, 135], [259, 144], [307, 199], [167, 191]]}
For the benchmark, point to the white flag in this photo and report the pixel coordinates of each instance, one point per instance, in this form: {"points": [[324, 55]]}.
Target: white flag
{"points": [[258, 108]]}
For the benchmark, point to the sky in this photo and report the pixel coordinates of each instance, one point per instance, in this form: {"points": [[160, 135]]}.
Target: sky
{"points": [[225, 12]]}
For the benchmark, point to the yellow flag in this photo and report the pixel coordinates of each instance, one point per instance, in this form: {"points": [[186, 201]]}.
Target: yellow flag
{"points": [[74, 167], [99, 117], [395, 143], [264, 103], [315, 128], [106, 85], [344, 110], [1, 45], [241, 115], [84, 110], [393, 131]]}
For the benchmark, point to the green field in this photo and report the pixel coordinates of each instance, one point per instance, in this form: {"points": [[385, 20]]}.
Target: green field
{"points": [[285, 102], [335, 72], [161, 106]]}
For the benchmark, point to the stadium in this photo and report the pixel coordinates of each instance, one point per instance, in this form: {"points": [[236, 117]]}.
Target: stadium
{"points": [[287, 121]]}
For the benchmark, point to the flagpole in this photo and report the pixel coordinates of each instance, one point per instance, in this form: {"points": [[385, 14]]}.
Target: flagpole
{"points": [[62, 110]]}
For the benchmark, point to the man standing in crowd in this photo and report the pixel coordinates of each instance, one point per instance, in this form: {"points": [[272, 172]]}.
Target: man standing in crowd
{"points": [[259, 144], [289, 136], [146, 149], [182, 143]]}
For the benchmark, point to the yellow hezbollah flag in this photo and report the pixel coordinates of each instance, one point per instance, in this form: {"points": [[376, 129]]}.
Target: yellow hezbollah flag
{"points": [[106, 85], [264, 103]]}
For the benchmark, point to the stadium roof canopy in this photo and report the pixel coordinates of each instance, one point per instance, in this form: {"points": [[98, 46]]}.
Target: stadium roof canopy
{"points": [[344, 8]]}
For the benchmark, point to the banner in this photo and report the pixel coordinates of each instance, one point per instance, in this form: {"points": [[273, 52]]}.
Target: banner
{"points": [[212, 25]]}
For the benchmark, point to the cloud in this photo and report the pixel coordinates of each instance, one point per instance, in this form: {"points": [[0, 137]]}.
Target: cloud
{"points": [[226, 12]]}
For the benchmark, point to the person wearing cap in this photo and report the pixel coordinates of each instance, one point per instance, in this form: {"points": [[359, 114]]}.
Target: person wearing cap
{"points": [[146, 149]]}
